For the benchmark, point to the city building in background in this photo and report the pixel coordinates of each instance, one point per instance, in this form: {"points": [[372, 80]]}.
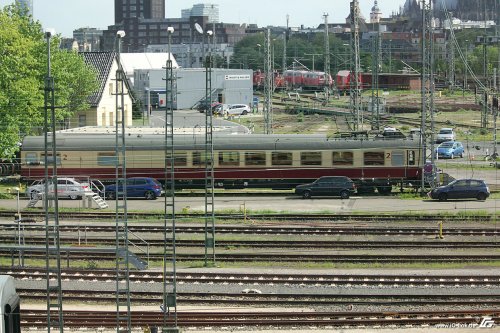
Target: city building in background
{"points": [[202, 9], [88, 39], [138, 9]]}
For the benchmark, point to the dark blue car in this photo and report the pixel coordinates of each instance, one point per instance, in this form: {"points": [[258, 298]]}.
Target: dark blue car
{"points": [[137, 187], [461, 189]]}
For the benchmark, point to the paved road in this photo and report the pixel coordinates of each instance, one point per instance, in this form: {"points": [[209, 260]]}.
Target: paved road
{"points": [[287, 203]]}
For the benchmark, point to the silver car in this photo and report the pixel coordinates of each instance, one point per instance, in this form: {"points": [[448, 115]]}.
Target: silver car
{"points": [[66, 188], [238, 109]]}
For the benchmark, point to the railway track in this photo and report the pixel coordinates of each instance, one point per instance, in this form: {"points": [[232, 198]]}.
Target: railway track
{"points": [[275, 299], [68, 275], [107, 319], [295, 217], [94, 254], [347, 229], [274, 243]]}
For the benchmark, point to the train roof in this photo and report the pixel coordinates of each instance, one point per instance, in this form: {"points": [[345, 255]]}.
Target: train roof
{"points": [[102, 142]]}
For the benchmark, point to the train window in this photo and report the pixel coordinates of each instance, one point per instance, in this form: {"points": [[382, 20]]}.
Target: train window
{"points": [[374, 158], [282, 158], [180, 159], [411, 157], [255, 158], [198, 158], [397, 158], [229, 158], [31, 158], [342, 158], [106, 159], [50, 159], [310, 158]]}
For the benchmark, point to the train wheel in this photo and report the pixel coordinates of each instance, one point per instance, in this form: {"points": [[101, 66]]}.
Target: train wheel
{"points": [[111, 195], [306, 195], [73, 196]]}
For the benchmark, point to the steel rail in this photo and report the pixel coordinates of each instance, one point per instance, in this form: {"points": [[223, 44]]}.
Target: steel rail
{"points": [[95, 254], [276, 229], [26, 273]]}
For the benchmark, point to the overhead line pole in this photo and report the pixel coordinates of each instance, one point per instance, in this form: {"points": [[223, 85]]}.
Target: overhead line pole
{"points": [[354, 82], [327, 59]]}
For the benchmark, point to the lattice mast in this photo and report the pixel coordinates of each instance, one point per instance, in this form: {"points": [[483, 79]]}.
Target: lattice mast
{"points": [[355, 83], [52, 240], [122, 264], [268, 84], [327, 58], [169, 236], [285, 37], [376, 65], [427, 88], [209, 166], [451, 62]]}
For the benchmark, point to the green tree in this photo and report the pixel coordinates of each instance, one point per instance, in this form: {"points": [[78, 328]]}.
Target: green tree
{"points": [[23, 68]]}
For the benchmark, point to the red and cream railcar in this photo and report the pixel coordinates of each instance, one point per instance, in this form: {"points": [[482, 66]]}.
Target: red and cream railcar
{"points": [[270, 161]]}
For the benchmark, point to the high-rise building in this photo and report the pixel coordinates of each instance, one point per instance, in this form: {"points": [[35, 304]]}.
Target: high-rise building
{"points": [[203, 9], [26, 4], [139, 9]]}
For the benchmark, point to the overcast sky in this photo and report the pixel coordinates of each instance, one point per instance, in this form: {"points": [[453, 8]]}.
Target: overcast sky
{"points": [[66, 15]]}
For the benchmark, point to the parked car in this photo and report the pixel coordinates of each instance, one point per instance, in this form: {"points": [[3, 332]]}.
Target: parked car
{"points": [[66, 188], [137, 187], [461, 189], [202, 106], [238, 109], [445, 134], [328, 185], [450, 149], [390, 133]]}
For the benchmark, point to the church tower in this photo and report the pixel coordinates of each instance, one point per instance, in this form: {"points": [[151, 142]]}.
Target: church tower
{"points": [[375, 14]]}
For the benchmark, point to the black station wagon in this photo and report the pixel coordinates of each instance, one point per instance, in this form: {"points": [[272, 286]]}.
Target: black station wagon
{"points": [[328, 185]]}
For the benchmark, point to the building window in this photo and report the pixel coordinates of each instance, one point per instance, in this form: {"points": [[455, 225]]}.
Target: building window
{"points": [[310, 158], [342, 158], [82, 120]]}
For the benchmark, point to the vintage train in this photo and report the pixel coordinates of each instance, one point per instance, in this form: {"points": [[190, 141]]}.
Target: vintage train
{"points": [[240, 161]]}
